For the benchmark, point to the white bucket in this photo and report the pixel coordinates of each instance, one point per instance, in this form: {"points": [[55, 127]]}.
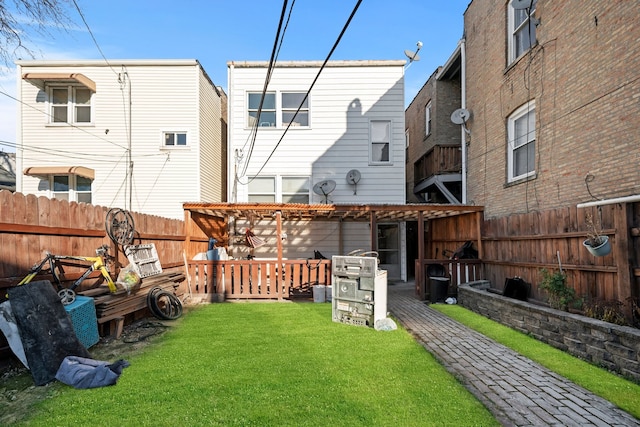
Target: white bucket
{"points": [[319, 293]]}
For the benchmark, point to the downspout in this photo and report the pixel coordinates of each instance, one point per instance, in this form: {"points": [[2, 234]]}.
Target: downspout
{"points": [[463, 133], [20, 146]]}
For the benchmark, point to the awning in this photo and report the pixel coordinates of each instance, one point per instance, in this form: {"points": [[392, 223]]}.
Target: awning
{"points": [[40, 79], [60, 170]]}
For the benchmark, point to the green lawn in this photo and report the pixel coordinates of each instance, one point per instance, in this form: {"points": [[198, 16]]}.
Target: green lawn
{"points": [[623, 393], [264, 364]]}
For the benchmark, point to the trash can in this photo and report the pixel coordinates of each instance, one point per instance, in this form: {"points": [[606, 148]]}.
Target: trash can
{"points": [[439, 288]]}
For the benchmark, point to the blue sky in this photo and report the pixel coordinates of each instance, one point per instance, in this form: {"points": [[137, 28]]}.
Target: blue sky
{"points": [[217, 31]]}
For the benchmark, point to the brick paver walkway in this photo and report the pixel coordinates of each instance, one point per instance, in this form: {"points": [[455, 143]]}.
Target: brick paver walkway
{"points": [[518, 391]]}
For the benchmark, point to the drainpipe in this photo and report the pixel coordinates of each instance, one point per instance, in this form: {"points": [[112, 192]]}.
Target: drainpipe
{"points": [[626, 199], [463, 101]]}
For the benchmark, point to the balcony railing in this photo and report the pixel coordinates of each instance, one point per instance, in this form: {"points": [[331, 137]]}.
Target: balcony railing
{"points": [[441, 159]]}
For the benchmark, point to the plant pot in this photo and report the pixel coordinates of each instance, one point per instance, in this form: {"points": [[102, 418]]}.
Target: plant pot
{"points": [[602, 249]]}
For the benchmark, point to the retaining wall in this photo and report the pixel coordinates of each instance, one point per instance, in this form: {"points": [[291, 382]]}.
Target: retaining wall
{"points": [[613, 347]]}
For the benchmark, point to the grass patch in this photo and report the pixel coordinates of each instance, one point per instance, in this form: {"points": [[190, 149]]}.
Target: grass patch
{"points": [[621, 392], [273, 364]]}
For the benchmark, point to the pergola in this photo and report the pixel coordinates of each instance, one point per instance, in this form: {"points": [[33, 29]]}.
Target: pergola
{"points": [[372, 213]]}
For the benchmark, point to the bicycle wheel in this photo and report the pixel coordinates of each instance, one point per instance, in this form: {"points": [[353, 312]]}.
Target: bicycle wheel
{"points": [[119, 226]]}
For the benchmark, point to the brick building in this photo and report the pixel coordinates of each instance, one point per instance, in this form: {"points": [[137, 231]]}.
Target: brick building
{"points": [[433, 142], [554, 94]]}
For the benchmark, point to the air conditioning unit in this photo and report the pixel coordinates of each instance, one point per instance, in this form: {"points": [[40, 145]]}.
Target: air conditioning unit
{"points": [[359, 290]]}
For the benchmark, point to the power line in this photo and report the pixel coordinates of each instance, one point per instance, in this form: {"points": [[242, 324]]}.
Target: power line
{"points": [[335, 45], [92, 36], [278, 41], [49, 116]]}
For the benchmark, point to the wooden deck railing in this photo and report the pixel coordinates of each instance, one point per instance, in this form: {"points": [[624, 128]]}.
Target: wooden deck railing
{"points": [[258, 279], [458, 271], [438, 160]]}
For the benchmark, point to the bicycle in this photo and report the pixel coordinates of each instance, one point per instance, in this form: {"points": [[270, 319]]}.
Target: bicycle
{"points": [[68, 295]]}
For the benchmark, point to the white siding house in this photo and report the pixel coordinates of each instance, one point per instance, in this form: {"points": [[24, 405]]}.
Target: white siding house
{"points": [[352, 119], [83, 123]]}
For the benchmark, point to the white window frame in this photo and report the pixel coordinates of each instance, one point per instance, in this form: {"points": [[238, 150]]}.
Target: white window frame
{"points": [[262, 196], [264, 124], [376, 140], [406, 146], [278, 193], [175, 133], [299, 194], [278, 111], [427, 119], [522, 141], [72, 193], [291, 110], [527, 25], [71, 105]]}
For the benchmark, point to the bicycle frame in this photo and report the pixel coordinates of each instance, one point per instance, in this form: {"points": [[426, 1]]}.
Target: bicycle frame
{"points": [[97, 264]]}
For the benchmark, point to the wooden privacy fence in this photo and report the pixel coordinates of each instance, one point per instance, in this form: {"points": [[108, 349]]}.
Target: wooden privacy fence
{"points": [[257, 279]]}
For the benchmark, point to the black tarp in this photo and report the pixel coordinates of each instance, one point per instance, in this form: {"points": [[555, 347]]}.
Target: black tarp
{"points": [[45, 328]]}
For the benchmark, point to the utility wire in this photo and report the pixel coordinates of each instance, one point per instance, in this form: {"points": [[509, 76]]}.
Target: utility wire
{"points": [[92, 36], [335, 45], [67, 123], [272, 60]]}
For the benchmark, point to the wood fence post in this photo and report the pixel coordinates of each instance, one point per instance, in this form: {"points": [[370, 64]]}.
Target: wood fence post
{"points": [[622, 252]]}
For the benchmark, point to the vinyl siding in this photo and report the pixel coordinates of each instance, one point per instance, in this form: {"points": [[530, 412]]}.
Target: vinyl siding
{"points": [[341, 104], [303, 237], [164, 98]]}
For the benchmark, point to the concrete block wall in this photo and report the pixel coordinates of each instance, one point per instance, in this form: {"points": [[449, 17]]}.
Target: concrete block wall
{"points": [[614, 347]]}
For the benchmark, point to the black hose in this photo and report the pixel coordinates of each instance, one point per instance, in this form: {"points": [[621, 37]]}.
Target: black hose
{"points": [[164, 305]]}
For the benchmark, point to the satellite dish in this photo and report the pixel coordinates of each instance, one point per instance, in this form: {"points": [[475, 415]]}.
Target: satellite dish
{"points": [[324, 188], [521, 4], [413, 56], [460, 116], [353, 177]]}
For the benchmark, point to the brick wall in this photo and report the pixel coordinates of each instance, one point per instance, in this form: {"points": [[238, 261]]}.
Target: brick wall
{"points": [[614, 347], [583, 75], [445, 98]]}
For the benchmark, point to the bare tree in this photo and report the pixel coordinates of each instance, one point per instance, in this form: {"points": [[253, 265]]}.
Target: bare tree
{"points": [[19, 18]]}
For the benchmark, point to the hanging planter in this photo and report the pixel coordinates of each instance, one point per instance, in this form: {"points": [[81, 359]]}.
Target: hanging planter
{"points": [[596, 243], [600, 247]]}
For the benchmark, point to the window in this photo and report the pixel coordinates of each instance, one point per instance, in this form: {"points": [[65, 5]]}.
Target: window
{"points": [[521, 142], [286, 189], [290, 104], [268, 113], [406, 146], [175, 139], [522, 30], [70, 104], [262, 189], [380, 135], [278, 114], [73, 188], [427, 119], [295, 189]]}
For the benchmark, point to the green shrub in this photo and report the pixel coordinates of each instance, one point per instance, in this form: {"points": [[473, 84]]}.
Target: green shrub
{"points": [[561, 296]]}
